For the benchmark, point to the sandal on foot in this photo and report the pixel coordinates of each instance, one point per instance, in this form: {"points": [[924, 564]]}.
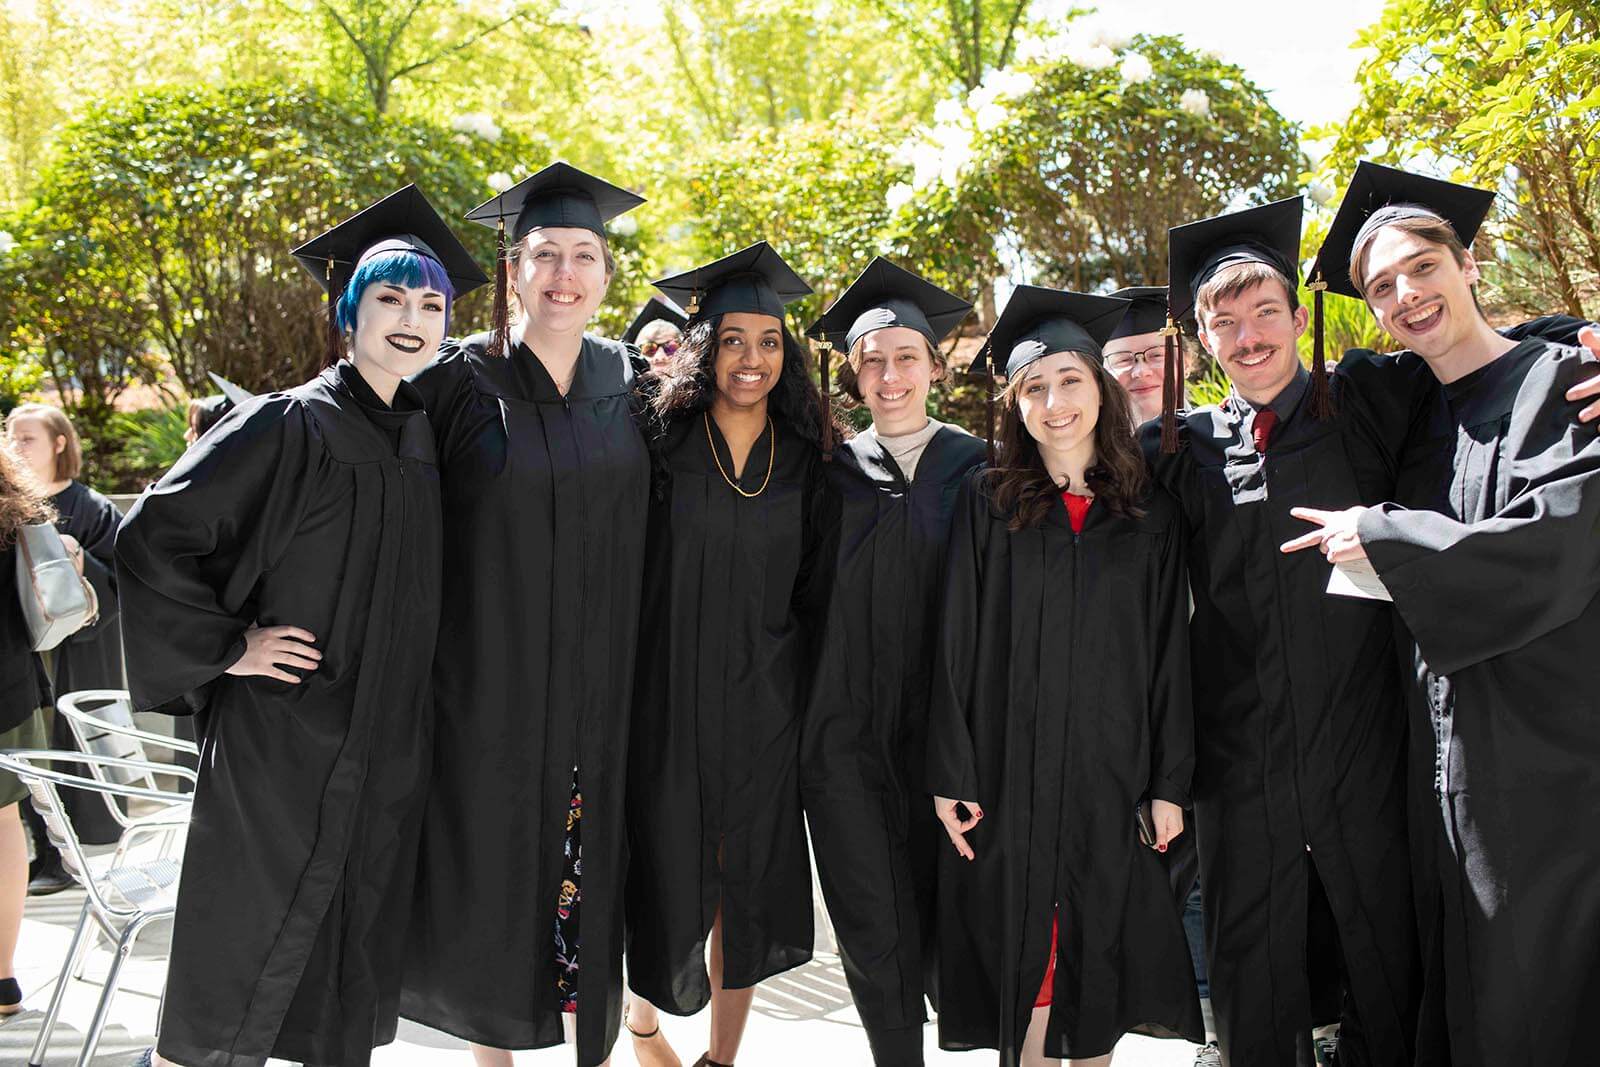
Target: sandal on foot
{"points": [[707, 1061], [652, 1049]]}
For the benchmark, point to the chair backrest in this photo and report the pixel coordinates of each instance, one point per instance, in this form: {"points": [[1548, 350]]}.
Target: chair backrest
{"points": [[36, 769], [88, 713]]}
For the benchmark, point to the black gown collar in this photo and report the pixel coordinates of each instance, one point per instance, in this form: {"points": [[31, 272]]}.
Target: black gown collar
{"points": [[403, 426]]}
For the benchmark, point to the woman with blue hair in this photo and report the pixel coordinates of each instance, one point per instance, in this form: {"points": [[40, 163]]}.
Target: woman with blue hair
{"points": [[282, 584]]}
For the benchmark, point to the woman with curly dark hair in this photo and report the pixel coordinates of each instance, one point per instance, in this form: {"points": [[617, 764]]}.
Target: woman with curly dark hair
{"points": [[738, 556], [1060, 731]]}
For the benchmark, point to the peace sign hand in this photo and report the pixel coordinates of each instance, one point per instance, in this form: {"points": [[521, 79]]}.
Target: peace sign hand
{"points": [[1338, 536]]}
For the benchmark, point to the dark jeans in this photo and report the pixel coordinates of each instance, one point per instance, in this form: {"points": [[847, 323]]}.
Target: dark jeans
{"points": [[1194, 933]]}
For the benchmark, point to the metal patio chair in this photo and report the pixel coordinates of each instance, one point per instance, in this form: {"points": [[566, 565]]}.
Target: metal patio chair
{"points": [[120, 900]]}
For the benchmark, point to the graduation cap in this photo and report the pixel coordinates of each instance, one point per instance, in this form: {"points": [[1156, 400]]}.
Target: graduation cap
{"points": [[1038, 321], [884, 295], [403, 221], [236, 395], [559, 195], [1197, 251], [753, 279], [656, 309], [1147, 310], [1380, 195]]}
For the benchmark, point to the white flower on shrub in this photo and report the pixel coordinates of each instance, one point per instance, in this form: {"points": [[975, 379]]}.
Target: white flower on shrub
{"points": [[1113, 38], [899, 195], [7, 242], [991, 117], [624, 225], [1320, 192], [1195, 102], [954, 163], [925, 163], [1136, 68], [1090, 56], [500, 181], [947, 112], [478, 124]]}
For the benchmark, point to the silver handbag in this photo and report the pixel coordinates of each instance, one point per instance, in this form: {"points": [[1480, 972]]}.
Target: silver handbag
{"points": [[56, 600]]}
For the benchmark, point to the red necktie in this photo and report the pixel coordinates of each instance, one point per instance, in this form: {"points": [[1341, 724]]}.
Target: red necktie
{"points": [[1261, 429]]}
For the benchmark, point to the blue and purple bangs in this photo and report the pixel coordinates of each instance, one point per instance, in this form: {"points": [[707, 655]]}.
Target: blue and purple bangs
{"points": [[400, 267]]}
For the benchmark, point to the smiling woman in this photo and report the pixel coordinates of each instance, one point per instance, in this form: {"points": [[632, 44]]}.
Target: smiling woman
{"points": [[281, 583]]}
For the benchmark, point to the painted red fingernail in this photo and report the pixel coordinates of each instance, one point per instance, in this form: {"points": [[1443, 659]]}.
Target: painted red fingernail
{"points": [[1161, 848]]}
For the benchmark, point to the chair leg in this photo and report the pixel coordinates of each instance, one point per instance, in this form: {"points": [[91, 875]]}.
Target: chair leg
{"points": [[70, 964], [91, 1040]]}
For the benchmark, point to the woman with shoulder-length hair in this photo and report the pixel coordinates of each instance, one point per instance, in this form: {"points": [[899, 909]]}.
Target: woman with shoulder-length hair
{"points": [[742, 528], [875, 840], [281, 584], [546, 481], [24, 700], [91, 658], [1060, 732]]}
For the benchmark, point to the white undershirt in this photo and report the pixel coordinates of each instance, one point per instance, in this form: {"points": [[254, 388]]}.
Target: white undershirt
{"points": [[907, 448]]}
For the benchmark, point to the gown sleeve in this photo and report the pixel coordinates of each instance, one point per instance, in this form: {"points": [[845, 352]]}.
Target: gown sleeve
{"points": [[95, 527], [1557, 329], [446, 386], [813, 586], [1171, 713], [1473, 590], [193, 548], [952, 769]]}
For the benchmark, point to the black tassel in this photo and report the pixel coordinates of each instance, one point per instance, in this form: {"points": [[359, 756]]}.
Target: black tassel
{"points": [[500, 339], [1171, 386], [827, 404], [1321, 395], [333, 337]]}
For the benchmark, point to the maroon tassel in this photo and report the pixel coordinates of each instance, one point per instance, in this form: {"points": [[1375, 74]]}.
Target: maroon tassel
{"points": [[333, 338], [1321, 395], [1171, 386], [500, 329], [827, 404]]}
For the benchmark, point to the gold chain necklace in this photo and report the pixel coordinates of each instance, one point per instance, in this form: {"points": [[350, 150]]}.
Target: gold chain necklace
{"points": [[772, 454]]}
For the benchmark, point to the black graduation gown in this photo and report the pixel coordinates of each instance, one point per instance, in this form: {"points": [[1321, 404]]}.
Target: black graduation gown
{"points": [[1061, 700], [319, 508], [92, 657], [872, 825], [1299, 727], [735, 597], [1495, 579], [546, 498]]}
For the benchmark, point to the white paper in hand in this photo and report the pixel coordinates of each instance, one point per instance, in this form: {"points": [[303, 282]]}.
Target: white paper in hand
{"points": [[1357, 578]]}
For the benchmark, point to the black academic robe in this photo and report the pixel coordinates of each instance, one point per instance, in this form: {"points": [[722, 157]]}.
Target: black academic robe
{"points": [[872, 826], [1495, 576], [319, 508], [1299, 728], [1060, 702], [735, 597], [92, 657], [545, 497]]}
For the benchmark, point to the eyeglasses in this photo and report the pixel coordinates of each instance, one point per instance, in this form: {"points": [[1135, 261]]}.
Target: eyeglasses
{"points": [[1154, 358], [650, 348]]}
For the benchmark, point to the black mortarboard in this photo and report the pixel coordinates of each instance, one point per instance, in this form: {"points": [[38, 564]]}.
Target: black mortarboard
{"points": [[753, 279], [1038, 321], [1196, 251], [656, 309], [403, 220], [1379, 195], [559, 195], [235, 394], [889, 295], [1147, 310]]}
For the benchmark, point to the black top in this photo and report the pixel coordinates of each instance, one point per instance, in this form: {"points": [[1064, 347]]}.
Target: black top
{"points": [[23, 685]]}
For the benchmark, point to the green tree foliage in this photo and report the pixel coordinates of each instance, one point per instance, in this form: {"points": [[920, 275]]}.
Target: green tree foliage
{"points": [[196, 196], [1504, 95], [1089, 166]]}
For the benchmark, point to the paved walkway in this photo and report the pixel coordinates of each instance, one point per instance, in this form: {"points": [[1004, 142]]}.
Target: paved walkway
{"points": [[802, 1017]]}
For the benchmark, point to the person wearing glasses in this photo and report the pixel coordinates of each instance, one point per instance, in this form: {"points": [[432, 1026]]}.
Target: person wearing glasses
{"points": [[1136, 355], [657, 331]]}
